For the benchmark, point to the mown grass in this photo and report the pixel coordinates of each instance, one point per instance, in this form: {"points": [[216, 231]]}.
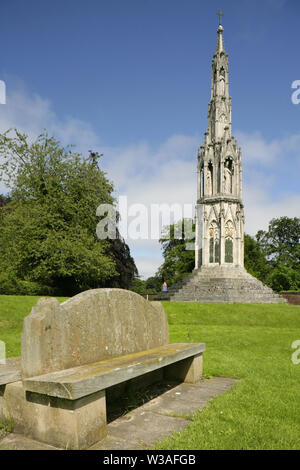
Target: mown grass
{"points": [[13, 309], [248, 342], [253, 343]]}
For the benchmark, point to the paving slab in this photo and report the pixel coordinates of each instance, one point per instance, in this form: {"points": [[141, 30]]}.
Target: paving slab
{"points": [[144, 427], [186, 399], [19, 442], [115, 443]]}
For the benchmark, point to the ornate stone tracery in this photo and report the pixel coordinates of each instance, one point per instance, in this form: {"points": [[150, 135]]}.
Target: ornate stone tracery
{"points": [[214, 242]]}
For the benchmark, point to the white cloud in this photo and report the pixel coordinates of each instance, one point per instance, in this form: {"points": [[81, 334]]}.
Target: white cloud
{"points": [[32, 114], [256, 150], [269, 168], [260, 208]]}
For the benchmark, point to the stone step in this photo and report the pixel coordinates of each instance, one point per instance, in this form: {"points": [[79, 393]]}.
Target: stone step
{"points": [[223, 285], [226, 294]]}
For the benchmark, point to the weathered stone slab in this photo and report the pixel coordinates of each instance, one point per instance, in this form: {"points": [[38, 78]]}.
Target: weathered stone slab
{"points": [[92, 326], [80, 381], [145, 427], [19, 442], [10, 371], [186, 399], [114, 443], [69, 425]]}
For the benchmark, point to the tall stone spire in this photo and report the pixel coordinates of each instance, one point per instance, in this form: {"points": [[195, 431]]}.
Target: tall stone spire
{"points": [[219, 109], [219, 205]]}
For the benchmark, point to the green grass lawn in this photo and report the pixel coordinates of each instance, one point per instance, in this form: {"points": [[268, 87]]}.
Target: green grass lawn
{"points": [[13, 308], [249, 342], [253, 343]]}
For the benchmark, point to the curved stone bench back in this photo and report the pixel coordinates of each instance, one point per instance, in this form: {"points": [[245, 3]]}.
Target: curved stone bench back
{"points": [[92, 326]]}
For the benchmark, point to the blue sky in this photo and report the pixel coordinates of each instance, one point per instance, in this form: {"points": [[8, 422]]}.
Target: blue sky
{"points": [[132, 79]]}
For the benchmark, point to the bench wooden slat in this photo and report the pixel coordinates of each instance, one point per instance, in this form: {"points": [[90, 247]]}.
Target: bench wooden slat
{"points": [[80, 381]]}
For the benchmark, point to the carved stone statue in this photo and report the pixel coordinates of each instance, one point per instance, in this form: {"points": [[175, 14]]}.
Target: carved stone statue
{"points": [[222, 86], [208, 183], [227, 181]]}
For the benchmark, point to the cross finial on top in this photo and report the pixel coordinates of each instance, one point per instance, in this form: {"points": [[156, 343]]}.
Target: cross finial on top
{"points": [[220, 14]]}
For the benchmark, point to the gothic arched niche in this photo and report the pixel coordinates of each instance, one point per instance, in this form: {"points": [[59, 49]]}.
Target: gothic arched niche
{"points": [[223, 118], [214, 242], [215, 81], [228, 176], [222, 81], [229, 238], [202, 181], [209, 179]]}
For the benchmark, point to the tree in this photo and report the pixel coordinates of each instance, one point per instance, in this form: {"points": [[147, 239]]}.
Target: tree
{"points": [[282, 241], [138, 286], [274, 257], [153, 285], [179, 259], [48, 229], [124, 263], [254, 259], [281, 246], [4, 200], [283, 278]]}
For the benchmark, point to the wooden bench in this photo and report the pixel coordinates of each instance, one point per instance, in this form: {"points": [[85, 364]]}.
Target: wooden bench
{"points": [[61, 396]]}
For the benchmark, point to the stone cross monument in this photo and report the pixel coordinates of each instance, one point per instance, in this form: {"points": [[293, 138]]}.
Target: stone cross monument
{"points": [[219, 209], [219, 274]]}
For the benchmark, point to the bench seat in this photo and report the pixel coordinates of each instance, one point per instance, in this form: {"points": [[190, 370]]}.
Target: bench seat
{"points": [[10, 371], [80, 381]]}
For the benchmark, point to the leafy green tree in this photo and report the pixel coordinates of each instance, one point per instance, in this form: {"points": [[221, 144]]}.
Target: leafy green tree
{"points": [[124, 263], [48, 230], [4, 200], [281, 246], [138, 286], [179, 259], [281, 242], [283, 278], [153, 285], [254, 259]]}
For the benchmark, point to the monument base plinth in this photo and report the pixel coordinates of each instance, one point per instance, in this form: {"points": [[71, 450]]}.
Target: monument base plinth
{"points": [[222, 284]]}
